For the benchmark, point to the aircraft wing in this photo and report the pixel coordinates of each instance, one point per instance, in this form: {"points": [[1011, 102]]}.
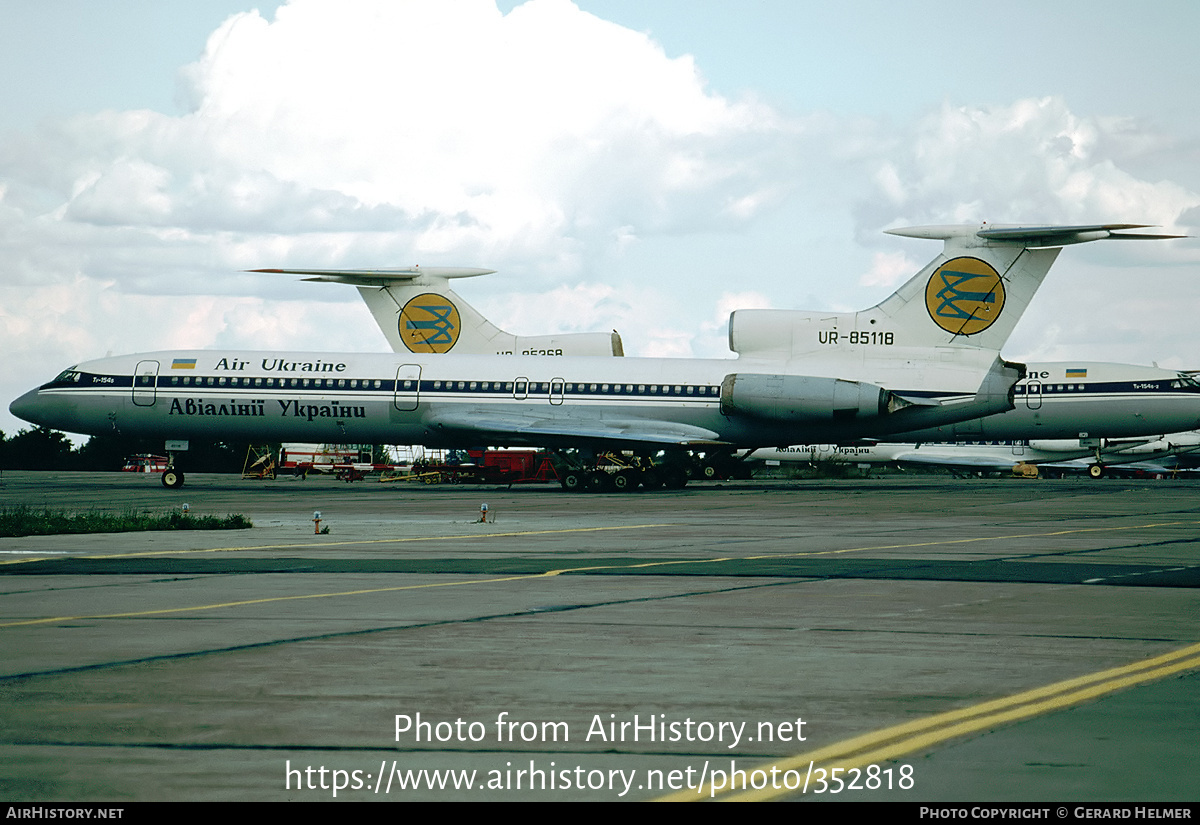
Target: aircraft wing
{"points": [[966, 462], [544, 429], [1124, 468]]}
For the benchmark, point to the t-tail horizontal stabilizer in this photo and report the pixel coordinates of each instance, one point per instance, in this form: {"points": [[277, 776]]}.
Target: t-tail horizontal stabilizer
{"points": [[1040, 236], [952, 317], [418, 312]]}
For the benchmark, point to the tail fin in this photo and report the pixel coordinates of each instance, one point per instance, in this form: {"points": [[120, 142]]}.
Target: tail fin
{"points": [[417, 311], [968, 298]]}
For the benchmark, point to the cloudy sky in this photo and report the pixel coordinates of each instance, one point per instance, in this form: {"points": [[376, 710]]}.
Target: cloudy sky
{"points": [[643, 166]]}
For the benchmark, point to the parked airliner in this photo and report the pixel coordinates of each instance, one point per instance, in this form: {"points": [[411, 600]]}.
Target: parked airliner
{"points": [[925, 357]]}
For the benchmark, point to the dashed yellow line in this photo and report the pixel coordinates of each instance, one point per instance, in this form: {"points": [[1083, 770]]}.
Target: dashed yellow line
{"points": [[894, 742], [318, 545], [267, 600]]}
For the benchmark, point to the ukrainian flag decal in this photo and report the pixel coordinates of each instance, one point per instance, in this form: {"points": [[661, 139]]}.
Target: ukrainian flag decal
{"points": [[183, 364]]}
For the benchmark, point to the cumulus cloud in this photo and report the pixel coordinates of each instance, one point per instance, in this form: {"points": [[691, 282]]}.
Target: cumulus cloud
{"points": [[1032, 160], [368, 133], [450, 127], [889, 269], [643, 316]]}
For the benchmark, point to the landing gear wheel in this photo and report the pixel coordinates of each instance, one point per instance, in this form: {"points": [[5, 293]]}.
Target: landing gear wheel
{"points": [[709, 472], [600, 482], [1096, 471], [172, 479], [624, 482], [572, 481]]}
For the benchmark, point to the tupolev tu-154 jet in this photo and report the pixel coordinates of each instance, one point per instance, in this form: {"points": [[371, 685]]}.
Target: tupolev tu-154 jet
{"points": [[927, 356]]}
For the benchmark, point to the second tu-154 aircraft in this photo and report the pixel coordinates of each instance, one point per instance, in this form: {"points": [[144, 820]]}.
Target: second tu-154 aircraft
{"points": [[926, 356]]}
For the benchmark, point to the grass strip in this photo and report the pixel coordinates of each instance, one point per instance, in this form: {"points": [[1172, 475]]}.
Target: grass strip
{"points": [[27, 521]]}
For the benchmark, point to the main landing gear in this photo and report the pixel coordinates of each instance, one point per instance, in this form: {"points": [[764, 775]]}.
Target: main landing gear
{"points": [[619, 473]]}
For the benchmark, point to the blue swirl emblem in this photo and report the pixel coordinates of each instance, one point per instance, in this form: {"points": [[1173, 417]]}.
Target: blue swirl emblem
{"points": [[429, 323], [964, 296]]}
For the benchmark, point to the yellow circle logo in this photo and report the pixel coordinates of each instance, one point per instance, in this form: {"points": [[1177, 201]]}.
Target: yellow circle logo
{"points": [[964, 296], [429, 323]]}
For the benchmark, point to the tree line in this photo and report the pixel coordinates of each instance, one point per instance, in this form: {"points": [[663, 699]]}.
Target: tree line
{"points": [[44, 449]]}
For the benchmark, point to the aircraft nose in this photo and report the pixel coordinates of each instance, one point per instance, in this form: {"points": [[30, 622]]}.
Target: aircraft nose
{"points": [[27, 407]]}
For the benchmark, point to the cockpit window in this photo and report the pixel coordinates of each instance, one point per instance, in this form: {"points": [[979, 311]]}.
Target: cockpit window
{"points": [[1186, 380]]}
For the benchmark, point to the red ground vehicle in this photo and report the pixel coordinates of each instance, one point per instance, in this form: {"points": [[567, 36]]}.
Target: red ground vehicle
{"points": [[145, 463], [487, 467]]}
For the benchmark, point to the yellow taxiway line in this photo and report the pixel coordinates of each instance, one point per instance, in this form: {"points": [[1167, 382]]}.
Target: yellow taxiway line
{"points": [[817, 767], [310, 545]]}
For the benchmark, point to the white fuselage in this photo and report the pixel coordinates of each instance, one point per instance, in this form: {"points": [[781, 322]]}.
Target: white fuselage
{"points": [[439, 400]]}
